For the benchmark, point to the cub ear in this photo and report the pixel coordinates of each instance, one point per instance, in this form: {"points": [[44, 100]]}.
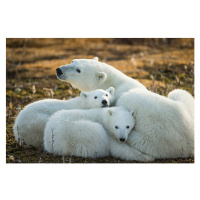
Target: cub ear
{"points": [[110, 112], [84, 94], [101, 76], [133, 113], [96, 58], [111, 90]]}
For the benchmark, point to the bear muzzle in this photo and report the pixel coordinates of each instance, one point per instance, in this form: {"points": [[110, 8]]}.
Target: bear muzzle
{"points": [[59, 72], [105, 103], [122, 139]]}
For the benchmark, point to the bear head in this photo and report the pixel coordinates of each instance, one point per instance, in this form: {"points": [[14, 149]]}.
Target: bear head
{"points": [[119, 123], [98, 98], [84, 74]]}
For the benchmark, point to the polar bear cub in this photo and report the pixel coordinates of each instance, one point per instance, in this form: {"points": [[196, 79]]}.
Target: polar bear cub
{"points": [[30, 123], [91, 133], [82, 138], [82, 133]]}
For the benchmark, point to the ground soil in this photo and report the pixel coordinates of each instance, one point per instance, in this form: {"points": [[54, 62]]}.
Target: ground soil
{"points": [[160, 64]]}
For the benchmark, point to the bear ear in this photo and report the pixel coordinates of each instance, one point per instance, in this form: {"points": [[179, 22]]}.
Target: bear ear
{"points": [[111, 90], [96, 58], [110, 112], [101, 76], [133, 113], [84, 94]]}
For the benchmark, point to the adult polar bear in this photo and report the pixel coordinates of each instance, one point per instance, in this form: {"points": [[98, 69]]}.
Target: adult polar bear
{"points": [[164, 128], [89, 74]]}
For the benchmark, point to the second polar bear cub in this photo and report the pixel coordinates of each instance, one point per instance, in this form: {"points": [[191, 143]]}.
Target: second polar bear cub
{"points": [[84, 132], [30, 123]]}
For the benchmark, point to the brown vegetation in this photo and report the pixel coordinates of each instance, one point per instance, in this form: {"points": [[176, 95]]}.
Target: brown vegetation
{"points": [[160, 64]]}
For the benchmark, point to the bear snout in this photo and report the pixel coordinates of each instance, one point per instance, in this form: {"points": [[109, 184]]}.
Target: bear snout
{"points": [[122, 139], [104, 102], [59, 71]]}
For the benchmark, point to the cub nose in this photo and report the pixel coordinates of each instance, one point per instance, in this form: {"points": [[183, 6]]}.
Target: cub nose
{"points": [[59, 71], [122, 139], [104, 102]]}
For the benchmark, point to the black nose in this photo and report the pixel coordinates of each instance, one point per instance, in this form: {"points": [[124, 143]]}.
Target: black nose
{"points": [[104, 102], [59, 71], [122, 139]]}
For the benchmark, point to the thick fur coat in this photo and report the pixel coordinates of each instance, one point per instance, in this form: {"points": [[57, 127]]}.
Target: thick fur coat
{"points": [[30, 123], [164, 126], [84, 133], [90, 74]]}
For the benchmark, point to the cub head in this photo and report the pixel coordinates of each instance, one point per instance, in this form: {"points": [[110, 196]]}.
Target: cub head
{"points": [[84, 74], [98, 98], [119, 123]]}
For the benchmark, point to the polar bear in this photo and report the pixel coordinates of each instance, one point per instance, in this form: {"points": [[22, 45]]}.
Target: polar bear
{"points": [[90, 74], [30, 123], [103, 75], [184, 97], [84, 133], [164, 127]]}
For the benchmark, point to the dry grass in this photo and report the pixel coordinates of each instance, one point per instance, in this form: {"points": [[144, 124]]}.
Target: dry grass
{"points": [[160, 64]]}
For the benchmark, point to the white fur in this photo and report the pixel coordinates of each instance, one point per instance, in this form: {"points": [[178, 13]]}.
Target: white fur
{"points": [[184, 97], [81, 138], [164, 127], [80, 133], [90, 74], [30, 123]]}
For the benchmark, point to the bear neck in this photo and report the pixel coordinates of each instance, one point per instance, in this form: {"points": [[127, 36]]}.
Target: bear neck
{"points": [[95, 115], [111, 71], [117, 79]]}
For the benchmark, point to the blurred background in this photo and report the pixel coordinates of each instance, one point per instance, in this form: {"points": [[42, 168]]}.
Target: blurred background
{"points": [[161, 64], [167, 61]]}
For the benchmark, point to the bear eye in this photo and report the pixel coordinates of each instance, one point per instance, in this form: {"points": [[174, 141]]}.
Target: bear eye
{"points": [[106, 95], [127, 126], [95, 97], [78, 70], [116, 127]]}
